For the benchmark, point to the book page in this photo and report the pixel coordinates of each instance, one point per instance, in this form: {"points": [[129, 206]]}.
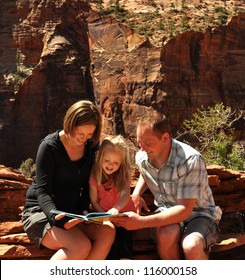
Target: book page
{"points": [[94, 217], [71, 215]]}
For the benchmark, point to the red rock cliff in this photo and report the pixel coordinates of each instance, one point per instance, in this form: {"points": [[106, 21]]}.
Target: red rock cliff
{"points": [[55, 53]]}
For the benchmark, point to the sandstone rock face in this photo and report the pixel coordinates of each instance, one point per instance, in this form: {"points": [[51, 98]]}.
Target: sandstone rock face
{"points": [[228, 188], [206, 68], [13, 187], [48, 43], [230, 191], [53, 53]]}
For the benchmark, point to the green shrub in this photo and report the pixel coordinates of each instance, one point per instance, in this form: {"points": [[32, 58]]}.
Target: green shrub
{"points": [[222, 14], [213, 129]]}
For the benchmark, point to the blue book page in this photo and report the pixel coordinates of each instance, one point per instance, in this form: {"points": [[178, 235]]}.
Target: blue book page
{"points": [[71, 215], [94, 217], [98, 215]]}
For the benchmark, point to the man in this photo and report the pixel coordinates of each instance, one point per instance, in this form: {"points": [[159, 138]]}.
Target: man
{"points": [[186, 220]]}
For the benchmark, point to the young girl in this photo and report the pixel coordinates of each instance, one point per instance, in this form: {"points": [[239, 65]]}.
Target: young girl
{"points": [[110, 189]]}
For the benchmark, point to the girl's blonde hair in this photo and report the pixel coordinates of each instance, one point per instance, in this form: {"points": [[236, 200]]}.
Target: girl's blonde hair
{"points": [[122, 177]]}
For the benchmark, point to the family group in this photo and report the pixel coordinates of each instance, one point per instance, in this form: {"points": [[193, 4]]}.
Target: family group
{"points": [[77, 172]]}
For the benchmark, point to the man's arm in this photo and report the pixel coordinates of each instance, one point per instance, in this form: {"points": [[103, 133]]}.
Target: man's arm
{"points": [[140, 188], [173, 215]]}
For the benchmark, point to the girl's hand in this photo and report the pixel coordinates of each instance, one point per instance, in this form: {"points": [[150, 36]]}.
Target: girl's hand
{"points": [[113, 211]]}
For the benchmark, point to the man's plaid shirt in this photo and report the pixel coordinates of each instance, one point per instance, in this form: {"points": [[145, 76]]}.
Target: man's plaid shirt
{"points": [[184, 175]]}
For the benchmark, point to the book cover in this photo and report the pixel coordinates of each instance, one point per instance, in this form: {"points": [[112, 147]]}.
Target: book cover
{"points": [[93, 217]]}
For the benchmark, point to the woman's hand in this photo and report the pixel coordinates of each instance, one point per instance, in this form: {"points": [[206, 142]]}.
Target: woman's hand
{"points": [[69, 224]]}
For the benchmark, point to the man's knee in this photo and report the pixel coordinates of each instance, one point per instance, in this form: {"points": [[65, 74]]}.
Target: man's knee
{"points": [[193, 247], [192, 242]]}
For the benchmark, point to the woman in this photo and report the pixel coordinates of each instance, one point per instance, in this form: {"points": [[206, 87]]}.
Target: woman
{"points": [[63, 164]]}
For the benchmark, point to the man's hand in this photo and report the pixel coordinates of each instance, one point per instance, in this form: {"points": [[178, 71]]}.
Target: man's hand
{"points": [[132, 222], [139, 203]]}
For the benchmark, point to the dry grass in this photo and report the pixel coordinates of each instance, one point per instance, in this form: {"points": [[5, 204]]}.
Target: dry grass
{"points": [[162, 20]]}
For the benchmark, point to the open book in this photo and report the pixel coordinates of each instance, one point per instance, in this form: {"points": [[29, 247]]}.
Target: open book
{"points": [[93, 217]]}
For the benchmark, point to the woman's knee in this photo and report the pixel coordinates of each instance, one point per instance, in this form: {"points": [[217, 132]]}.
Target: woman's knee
{"points": [[72, 244], [77, 244], [80, 247]]}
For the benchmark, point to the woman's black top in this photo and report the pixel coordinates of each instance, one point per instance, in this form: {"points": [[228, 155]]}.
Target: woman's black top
{"points": [[60, 183]]}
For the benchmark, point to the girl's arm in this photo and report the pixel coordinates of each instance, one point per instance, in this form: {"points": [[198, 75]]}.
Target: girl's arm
{"points": [[122, 202], [93, 192]]}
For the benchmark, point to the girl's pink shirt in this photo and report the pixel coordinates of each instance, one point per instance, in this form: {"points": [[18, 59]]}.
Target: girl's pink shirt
{"points": [[108, 198]]}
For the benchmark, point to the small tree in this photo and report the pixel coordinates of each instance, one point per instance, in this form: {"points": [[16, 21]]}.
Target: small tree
{"points": [[213, 129]]}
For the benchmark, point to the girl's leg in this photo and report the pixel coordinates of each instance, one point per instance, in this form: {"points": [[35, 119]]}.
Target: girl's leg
{"points": [[125, 243], [70, 244], [102, 237], [114, 251]]}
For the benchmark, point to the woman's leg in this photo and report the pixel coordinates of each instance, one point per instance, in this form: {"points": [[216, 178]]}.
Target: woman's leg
{"points": [[70, 244], [102, 237]]}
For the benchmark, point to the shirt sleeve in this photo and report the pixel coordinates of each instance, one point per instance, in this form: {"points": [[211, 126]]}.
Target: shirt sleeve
{"points": [[45, 163], [85, 201]]}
